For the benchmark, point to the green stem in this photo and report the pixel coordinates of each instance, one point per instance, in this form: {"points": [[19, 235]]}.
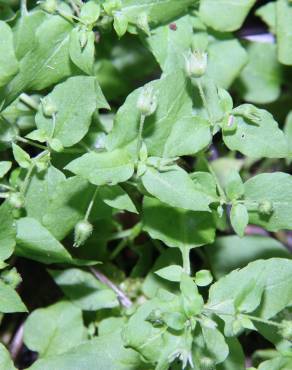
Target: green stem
{"points": [[29, 142], [219, 187], [27, 100], [7, 187], [122, 244], [140, 132], [263, 321], [186, 260], [204, 100], [87, 214], [27, 179], [23, 8]]}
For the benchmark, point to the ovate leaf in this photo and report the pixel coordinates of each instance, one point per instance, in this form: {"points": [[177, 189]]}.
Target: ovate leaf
{"points": [[107, 168], [104, 353], [225, 15], [274, 275], [54, 329], [175, 188], [239, 218], [7, 232], [36, 242], [275, 188], [260, 81], [76, 100], [47, 62], [177, 227], [10, 301], [8, 61], [82, 55], [283, 28], [5, 360], [260, 139]]}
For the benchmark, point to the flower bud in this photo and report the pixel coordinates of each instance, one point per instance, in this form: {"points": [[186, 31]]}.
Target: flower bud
{"points": [[230, 125], [56, 145], [49, 6], [147, 102], [11, 277], [49, 107], [16, 200], [142, 22], [83, 38], [82, 231], [286, 330], [196, 63], [265, 207]]}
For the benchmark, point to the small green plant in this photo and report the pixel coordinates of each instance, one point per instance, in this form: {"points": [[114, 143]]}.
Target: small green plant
{"points": [[146, 199]]}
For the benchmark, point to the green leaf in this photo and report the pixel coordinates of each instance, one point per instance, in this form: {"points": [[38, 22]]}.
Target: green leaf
{"points": [[226, 59], [25, 32], [267, 13], [239, 218], [158, 11], [4, 167], [168, 46], [231, 252], [261, 79], [105, 353], [234, 185], [54, 330], [274, 275], [84, 290], [275, 188], [203, 277], [76, 100], [283, 28], [5, 360], [68, 205], [120, 23], [41, 190], [8, 61], [35, 242], [116, 197], [288, 132], [106, 168], [177, 227], [90, 12], [278, 363], [47, 62], [82, 56], [173, 113], [10, 301], [263, 139], [192, 300], [7, 232], [171, 273], [216, 344], [224, 15], [21, 157], [175, 188]]}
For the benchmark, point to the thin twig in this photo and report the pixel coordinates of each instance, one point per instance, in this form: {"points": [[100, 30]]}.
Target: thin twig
{"points": [[124, 300], [17, 342]]}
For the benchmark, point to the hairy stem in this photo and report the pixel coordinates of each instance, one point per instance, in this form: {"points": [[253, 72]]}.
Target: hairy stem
{"points": [[140, 132], [124, 300], [87, 214]]}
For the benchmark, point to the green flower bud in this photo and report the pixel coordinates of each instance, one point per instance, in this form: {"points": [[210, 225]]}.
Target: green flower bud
{"points": [[49, 107], [286, 330], [11, 277], [49, 6], [196, 63], [147, 102], [142, 22], [82, 231], [249, 112], [16, 200], [83, 38], [207, 363], [56, 145], [110, 6], [265, 207], [230, 125]]}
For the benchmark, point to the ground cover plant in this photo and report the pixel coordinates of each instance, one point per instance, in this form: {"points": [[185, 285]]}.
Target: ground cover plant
{"points": [[146, 199]]}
